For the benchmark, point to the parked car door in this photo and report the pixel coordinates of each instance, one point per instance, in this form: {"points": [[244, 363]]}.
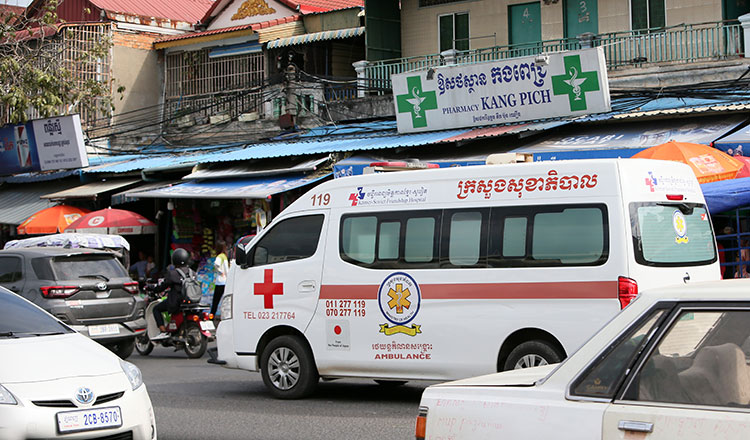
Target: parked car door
{"points": [[694, 383]]}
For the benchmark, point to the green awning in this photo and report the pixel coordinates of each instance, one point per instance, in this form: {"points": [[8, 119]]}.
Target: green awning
{"points": [[317, 36]]}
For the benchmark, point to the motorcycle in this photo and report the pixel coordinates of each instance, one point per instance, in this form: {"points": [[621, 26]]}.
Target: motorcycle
{"points": [[189, 329]]}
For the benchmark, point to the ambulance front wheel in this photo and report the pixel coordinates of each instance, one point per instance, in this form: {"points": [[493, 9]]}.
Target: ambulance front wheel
{"points": [[532, 354], [288, 369]]}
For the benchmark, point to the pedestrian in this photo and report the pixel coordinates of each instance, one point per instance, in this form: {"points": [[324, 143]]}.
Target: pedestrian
{"points": [[139, 266], [221, 269], [173, 282]]}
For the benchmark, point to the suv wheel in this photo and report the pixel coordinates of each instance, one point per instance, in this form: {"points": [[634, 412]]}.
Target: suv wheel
{"points": [[123, 348]]}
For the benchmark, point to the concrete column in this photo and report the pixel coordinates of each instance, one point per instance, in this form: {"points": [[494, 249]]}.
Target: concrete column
{"points": [[449, 56], [745, 22], [359, 67]]}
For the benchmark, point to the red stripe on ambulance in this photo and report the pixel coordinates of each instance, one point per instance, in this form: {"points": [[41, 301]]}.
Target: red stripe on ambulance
{"points": [[562, 290]]}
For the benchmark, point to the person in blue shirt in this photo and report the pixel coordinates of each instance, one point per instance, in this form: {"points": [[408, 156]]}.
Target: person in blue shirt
{"points": [[139, 266]]}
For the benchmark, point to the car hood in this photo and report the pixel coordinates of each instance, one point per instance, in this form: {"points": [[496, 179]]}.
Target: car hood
{"points": [[41, 358], [524, 377]]}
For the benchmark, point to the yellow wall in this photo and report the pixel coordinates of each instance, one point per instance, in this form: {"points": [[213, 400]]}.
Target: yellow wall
{"points": [[419, 35]]}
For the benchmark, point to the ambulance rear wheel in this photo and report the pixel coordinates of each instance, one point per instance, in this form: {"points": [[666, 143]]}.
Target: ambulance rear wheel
{"points": [[288, 368], [532, 354]]}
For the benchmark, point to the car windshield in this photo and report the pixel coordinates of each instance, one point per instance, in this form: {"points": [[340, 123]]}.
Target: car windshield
{"points": [[20, 318], [72, 267], [672, 234]]}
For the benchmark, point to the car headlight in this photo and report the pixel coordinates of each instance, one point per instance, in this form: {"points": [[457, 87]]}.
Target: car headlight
{"points": [[6, 398], [226, 307], [134, 374]]}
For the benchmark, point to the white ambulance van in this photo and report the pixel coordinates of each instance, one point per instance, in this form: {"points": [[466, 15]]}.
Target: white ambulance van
{"points": [[450, 273]]}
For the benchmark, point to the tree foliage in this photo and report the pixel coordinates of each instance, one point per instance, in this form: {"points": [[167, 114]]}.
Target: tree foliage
{"points": [[46, 70]]}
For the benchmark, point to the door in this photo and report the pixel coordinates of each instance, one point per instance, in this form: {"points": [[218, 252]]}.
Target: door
{"points": [[11, 274], [581, 16], [694, 383], [525, 24], [280, 282]]}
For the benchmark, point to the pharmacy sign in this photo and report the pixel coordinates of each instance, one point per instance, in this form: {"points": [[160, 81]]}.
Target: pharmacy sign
{"points": [[508, 91]]}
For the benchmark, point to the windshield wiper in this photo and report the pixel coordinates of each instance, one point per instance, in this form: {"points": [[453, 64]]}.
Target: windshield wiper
{"points": [[94, 276], [22, 334]]}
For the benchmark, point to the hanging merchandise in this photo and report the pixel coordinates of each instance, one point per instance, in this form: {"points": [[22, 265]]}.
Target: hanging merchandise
{"points": [[207, 248], [205, 275]]}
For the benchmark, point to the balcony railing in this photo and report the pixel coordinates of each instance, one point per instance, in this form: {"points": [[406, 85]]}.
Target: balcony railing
{"points": [[676, 44]]}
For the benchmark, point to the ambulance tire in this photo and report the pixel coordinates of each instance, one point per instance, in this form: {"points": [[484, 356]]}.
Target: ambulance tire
{"points": [[532, 354], [288, 368]]}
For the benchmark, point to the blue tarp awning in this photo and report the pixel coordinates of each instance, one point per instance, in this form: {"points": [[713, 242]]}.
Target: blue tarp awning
{"points": [[735, 144], [257, 188], [625, 140], [726, 195]]}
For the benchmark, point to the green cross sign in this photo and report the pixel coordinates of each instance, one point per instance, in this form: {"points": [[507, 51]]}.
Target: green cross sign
{"points": [[416, 102], [575, 83]]}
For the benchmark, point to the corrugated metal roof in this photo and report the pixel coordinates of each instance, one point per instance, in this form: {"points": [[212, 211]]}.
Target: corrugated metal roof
{"points": [[315, 6], [256, 170], [19, 202], [90, 189], [671, 106], [189, 11], [332, 144], [317, 36], [254, 26]]}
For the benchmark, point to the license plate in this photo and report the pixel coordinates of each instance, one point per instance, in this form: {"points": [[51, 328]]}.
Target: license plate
{"points": [[89, 419], [104, 329], [207, 325]]}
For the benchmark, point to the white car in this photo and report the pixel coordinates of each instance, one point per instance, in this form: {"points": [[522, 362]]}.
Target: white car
{"points": [[672, 365], [56, 383]]}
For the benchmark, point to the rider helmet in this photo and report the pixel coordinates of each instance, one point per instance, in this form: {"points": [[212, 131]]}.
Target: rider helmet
{"points": [[180, 257]]}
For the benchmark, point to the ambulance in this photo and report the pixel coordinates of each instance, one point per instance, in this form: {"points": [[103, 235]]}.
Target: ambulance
{"points": [[443, 274]]}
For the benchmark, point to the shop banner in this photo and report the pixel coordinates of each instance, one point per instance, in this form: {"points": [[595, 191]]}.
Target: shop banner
{"points": [[42, 145], [500, 92]]}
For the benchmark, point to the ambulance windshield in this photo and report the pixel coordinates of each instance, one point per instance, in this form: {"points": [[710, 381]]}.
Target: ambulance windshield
{"points": [[672, 234]]}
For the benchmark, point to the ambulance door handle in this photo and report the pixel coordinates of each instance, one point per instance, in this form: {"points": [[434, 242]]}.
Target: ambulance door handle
{"points": [[306, 286]]}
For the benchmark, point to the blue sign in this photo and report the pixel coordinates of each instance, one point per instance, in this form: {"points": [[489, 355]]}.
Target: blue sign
{"points": [[18, 152]]}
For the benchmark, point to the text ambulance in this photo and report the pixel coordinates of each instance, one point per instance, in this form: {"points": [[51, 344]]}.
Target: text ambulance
{"points": [[450, 273]]}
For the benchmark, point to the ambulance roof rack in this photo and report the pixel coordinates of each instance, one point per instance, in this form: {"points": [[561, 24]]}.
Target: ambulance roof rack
{"points": [[503, 158], [404, 165]]}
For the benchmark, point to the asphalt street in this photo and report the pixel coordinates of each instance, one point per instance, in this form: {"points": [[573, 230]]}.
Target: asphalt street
{"points": [[196, 400]]}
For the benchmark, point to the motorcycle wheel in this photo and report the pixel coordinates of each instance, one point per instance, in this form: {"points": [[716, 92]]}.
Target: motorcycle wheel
{"points": [[143, 345], [195, 342]]}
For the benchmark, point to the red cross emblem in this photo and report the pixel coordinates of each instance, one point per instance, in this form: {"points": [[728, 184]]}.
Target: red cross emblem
{"points": [[268, 288]]}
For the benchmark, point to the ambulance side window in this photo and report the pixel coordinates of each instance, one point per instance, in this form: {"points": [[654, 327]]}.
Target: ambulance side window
{"points": [[291, 239], [391, 240], [549, 236]]}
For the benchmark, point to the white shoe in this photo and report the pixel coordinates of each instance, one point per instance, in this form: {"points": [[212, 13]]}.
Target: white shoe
{"points": [[160, 336]]}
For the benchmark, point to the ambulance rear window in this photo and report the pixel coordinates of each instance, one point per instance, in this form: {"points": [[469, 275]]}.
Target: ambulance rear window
{"points": [[672, 234]]}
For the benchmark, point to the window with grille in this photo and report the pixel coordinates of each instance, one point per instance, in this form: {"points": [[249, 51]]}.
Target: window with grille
{"points": [[197, 82]]}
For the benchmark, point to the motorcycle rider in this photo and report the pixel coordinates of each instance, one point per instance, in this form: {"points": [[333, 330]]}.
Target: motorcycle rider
{"points": [[173, 282]]}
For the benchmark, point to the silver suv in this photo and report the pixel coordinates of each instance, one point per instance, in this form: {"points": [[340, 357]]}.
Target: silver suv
{"points": [[89, 290]]}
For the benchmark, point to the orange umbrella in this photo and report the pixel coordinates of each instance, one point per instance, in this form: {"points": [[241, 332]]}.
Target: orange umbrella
{"points": [[708, 163], [51, 220]]}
